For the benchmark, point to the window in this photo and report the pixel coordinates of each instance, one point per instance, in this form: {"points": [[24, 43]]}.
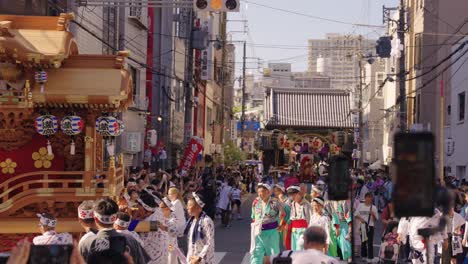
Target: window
{"points": [[380, 80], [135, 10], [461, 106], [461, 171], [418, 107], [418, 50], [134, 73], [209, 114]]}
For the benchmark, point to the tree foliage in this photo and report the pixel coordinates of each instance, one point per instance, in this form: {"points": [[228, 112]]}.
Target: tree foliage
{"points": [[232, 154]]}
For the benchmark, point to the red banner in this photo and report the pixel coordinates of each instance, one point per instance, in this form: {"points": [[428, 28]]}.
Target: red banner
{"points": [[191, 153]]}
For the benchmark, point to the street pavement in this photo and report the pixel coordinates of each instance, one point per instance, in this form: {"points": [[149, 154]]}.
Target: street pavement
{"points": [[232, 244]]}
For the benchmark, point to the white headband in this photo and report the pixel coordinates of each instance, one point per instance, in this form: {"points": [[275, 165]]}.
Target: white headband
{"points": [[45, 221], [319, 200], [122, 223], [198, 200], [168, 203], [294, 188], [105, 219], [85, 214], [264, 185], [147, 207], [279, 186]]}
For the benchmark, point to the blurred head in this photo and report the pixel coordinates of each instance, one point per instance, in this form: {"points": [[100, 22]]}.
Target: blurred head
{"points": [[193, 208], [85, 214], [133, 195], [368, 198], [318, 204], [105, 211], [263, 192], [173, 194], [315, 238], [140, 183], [122, 222], [47, 222]]}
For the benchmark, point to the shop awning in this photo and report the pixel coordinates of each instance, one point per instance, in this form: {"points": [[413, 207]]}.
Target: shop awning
{"points": [[36, 41], [86, 81]]}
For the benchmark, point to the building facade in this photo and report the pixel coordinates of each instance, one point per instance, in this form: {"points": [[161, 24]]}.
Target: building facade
{"points": [[336, 56]]}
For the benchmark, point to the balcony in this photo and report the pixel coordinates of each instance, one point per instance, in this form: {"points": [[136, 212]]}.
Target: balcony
{"points": [[53, 187]]}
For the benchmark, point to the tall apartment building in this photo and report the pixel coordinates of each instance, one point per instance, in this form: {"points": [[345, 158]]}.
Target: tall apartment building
{"points": [[339, 54]]}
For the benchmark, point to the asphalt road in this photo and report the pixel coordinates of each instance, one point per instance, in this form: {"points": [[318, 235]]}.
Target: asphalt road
{"points": [[232, 244]]}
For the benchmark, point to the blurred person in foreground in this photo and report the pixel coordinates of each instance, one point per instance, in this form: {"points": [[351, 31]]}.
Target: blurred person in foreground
{"points": [[47, 224], [86, 220], [21, 252], [315, 239], [105, 211]]}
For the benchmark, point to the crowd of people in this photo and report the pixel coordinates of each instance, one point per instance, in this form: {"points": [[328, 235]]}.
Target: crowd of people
{"points": [[163, 218], [158, 218]]}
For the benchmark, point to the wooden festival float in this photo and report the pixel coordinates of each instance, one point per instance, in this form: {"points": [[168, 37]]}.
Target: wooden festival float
{"points": [[58, 120]]}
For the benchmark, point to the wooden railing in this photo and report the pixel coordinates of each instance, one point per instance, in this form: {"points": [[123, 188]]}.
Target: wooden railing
{"points": [[39, 186]]}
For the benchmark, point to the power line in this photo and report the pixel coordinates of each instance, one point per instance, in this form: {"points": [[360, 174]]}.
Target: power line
{"points": [[312, 16]]}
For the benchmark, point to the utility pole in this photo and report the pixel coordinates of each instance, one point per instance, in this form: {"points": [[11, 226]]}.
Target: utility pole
{"points": [[224, 75], [361, 123], [188, 114], [402, 66], [243, 97]]}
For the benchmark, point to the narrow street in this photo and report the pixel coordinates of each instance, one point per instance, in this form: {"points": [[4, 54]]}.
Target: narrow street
{"points": [[233, 244]]}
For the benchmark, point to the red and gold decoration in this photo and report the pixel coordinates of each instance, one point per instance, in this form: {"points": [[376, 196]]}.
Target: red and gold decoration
{"points": [[46, 125], [334, 149], [42, 159], [72, 126], [8, 166], [316, 143]]}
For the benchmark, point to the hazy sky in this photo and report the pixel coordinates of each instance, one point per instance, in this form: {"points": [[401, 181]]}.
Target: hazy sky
{"points": [[288, 33]]}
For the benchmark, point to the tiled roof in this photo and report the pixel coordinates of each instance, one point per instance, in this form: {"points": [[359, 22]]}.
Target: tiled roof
{"points": [[308, 108]]}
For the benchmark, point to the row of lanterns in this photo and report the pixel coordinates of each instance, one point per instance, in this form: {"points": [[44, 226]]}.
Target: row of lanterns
{"points": [[72, 125]]}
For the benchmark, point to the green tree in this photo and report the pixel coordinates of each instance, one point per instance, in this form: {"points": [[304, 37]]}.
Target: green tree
{"points": [[232, 154]]}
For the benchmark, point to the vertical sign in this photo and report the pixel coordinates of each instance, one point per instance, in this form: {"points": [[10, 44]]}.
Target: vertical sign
{"points": [[233, 129], [207, 54]]}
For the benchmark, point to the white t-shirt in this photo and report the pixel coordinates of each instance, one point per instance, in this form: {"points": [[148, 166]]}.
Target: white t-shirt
{"points": [[236, 194], [363, 211], [224, 200], [308, 256]]}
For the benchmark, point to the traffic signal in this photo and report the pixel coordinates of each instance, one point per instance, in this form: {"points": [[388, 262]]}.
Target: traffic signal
{"points": [[384, 47], [217, 5]]}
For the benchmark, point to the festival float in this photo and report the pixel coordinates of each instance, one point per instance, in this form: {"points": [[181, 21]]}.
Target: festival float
{"points": [[58, 122]]}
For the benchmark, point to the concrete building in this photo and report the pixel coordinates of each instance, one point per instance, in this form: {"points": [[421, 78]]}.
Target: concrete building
{"points": [[335, 56], [433, 25], [456, 145], [373, 114]]}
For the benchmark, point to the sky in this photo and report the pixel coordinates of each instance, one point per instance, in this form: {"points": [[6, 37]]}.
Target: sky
{"points": [[277, 36]]}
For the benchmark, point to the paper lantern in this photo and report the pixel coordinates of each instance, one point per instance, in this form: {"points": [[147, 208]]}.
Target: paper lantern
{"points": [[121, 128], [334, 149], [107, 126], [317, 143], [72, 126], [41, 78], [46, 125]]}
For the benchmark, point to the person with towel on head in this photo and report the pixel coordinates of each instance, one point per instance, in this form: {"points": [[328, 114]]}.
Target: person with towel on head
{"points": [[280, 191], [86, 219], [267, 212], [301, 213], [121, 226], [200, 232], [319, 218], [47, 224]]}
